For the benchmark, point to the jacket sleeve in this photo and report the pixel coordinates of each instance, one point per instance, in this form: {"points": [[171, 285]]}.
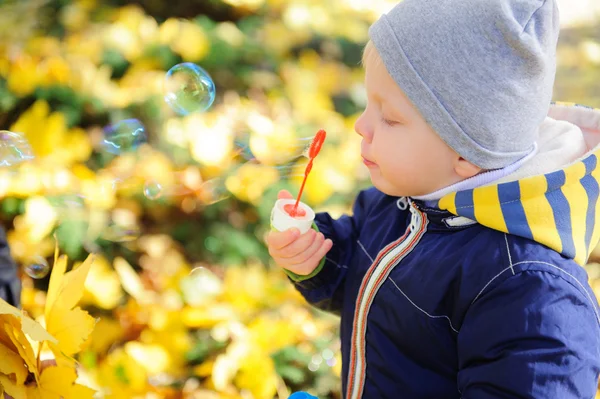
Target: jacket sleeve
{"points": [[536, 335], [10, 285], [325, 287]]}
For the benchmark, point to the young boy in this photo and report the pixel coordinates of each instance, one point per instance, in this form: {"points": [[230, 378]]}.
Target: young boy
{"points": [[460, 273]]}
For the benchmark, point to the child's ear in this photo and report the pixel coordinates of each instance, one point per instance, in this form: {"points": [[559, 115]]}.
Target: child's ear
{"points": [[466, 169]]}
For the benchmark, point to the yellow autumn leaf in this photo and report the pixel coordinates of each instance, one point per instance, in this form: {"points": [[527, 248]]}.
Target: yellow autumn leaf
{"points": [[11, 388], [12, 365], [102, 288], [30, 327], [20, 342], [71, 327], [4, 338], [131, 282], [257, 363], [59, 382], [131, 378]]}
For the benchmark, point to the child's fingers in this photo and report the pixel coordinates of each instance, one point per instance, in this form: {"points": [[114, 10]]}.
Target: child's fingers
{"points": [[284, 194], [295, 247], [279, 239], [305, 255], [313, 261]]}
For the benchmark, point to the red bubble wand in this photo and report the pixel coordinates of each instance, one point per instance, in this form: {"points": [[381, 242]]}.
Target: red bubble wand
{"points": [[313, 151]]}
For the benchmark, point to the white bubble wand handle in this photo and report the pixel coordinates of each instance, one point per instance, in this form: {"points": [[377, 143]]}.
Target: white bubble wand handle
{"points": [[281, 219]]}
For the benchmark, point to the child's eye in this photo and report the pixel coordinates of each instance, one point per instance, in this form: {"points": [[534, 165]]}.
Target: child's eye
{"points": [[388, 122]]}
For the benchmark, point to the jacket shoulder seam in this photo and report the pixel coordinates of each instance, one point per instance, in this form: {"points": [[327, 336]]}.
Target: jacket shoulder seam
{"points": [[561, 274]]}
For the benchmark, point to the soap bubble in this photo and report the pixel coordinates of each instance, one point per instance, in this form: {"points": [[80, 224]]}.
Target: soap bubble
{"points": [[14, 149], [189, 88], [273, 148], [243, 149], [213, 191], [152, 190], [37, 268], [124, 136], [67, 206], [200, 286], [121, 233]]}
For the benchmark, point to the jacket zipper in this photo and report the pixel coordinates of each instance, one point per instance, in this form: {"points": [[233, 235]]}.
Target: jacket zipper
{"points": [[377, 274]]}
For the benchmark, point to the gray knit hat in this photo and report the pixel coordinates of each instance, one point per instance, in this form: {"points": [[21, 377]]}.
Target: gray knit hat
{"points": [[480, 72]]}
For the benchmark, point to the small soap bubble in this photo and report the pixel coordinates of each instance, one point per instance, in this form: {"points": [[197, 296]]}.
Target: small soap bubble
{"points": [[189, 88], [121, 233], [152, 190], [124, 136], [14, 149], [277, 149], [67, 206], [37, 268], [243, 150], [201, 286], [331, 362], [213, 191]]}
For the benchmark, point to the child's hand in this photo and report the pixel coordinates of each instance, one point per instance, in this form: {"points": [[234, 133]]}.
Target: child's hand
{"points": [[300, 254]]}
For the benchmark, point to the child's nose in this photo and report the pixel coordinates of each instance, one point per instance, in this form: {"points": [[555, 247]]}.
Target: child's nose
{"points": [[362, 127]]}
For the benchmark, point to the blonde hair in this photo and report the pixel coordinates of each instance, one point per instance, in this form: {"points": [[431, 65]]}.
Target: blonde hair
{"points": [[370, 54]]}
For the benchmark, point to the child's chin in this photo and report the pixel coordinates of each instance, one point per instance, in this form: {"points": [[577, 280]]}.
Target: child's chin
{"points": [[386, 189], [392, 191]]}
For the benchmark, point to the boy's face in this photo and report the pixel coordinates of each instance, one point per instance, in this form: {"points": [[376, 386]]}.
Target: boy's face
{"points": [[404, 155]]}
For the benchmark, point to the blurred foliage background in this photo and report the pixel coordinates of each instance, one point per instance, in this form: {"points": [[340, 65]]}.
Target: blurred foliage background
{"points": [[188, 303]]}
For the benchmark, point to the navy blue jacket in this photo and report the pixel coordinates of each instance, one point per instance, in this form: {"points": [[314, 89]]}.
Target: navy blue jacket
{"points": [[480, 295]]}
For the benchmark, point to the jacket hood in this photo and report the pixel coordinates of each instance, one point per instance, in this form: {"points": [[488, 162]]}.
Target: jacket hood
{"points": [[553, 198]]}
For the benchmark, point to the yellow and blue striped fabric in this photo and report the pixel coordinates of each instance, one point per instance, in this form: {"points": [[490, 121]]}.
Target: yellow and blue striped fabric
{"points": [[559, 209]]}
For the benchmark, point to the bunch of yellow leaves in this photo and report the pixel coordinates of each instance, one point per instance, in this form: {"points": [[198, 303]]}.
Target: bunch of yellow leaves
{"points": [[22, 339]]}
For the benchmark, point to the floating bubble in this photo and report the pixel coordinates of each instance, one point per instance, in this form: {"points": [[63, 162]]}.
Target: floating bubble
{"points": [[14, 149], [213, 191], [67, 206], [274, 149], [200, 286], [291, 171], [243, 150], [331, 362], [152, 190], [37, 268], [189, 88], [121, 233], [124, 136]]}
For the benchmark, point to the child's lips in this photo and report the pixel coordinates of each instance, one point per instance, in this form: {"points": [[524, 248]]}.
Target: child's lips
{"points": [[368, 163]]}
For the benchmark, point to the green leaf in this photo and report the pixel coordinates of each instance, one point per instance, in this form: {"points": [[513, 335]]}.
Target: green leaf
{"points": [[116, 61], [292, 374], [70, 235]]}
